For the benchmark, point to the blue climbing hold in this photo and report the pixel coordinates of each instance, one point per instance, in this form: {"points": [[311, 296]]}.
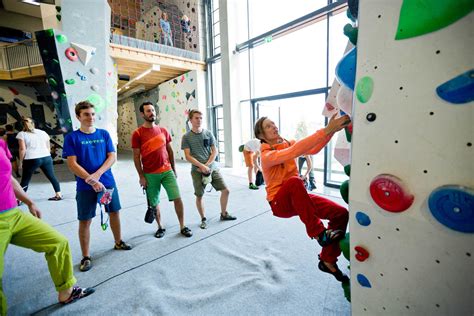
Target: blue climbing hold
{"points": [[346, 69], [453, 206], [458, 90], [363, 281], [363, 219]]}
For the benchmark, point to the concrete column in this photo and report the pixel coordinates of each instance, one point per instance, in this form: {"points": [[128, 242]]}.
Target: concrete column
{"points": [[230, 81]]}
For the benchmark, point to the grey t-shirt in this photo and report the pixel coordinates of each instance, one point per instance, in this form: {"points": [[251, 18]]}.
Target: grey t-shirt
{"points": [[200, 146]]}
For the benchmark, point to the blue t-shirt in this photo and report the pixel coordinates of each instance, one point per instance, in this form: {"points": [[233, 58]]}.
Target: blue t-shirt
{"points": [[91, 152]]}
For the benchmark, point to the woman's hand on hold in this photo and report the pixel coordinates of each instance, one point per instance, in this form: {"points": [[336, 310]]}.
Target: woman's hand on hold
{"points": [[336, 124]]}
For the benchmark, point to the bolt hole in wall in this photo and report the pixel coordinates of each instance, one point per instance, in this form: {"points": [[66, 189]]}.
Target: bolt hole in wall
{"points": [[469, 144], [468, 254], [437, 261], [431, 113], [397, 229], [438, 51], [379, 237]]}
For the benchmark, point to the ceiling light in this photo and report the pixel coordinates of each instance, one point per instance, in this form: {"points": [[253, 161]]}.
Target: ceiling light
{"points": [[31, 2], [140, 76]]}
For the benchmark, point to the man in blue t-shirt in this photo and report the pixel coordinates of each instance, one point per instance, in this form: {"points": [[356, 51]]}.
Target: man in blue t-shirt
{"points": [[90, 154]]}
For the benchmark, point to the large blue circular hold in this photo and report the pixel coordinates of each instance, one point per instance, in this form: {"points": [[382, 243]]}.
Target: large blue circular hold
{"points": [[453, 206], [346, 69], [363, 219]]}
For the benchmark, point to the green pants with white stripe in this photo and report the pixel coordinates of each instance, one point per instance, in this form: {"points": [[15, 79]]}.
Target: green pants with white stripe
{"points": [[24, 230]]}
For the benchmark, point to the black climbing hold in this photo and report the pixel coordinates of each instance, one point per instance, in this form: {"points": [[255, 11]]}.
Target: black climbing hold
{"points": [[371, 117]]}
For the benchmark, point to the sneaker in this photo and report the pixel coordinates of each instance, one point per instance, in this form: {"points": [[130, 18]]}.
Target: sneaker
{"points": [[228, 217], [86, 264], [186, 232], [160, 232], [253, 186], [122, 246], [203, 223]]}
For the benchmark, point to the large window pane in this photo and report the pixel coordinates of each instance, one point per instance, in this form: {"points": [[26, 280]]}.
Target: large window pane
{"points": [[337, 41], [265, 15], [216, 83], [297, 118], [294, 62]]}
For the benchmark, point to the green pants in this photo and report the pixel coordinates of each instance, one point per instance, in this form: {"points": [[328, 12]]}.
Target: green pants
{"points": [[24, 230]]}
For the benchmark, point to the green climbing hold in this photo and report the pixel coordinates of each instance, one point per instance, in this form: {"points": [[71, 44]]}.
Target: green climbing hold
{"points": [[345, 246], [58, 16], [346, 286], [348, 134], [347, 170], [167, 108], [364, 89], [97, 101], [351, 32], [70, 81], [344, 189], [52, 82], [350, 16], [55, 61], [419, 17], [61, 38], [173, 94], [49, 32]]}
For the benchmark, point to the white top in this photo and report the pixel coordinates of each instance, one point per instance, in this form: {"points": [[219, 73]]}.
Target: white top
{"points": [[252, 145], [37, 143]]}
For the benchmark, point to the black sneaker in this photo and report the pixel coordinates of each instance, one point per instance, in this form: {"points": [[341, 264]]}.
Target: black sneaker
{"points": [[86, 264], [186, 232], [203, 223], [227, 217], [122, 246], [160, 232]]}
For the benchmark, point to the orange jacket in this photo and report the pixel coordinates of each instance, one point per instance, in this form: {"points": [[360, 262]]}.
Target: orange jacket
{"points": [[278, 161]]}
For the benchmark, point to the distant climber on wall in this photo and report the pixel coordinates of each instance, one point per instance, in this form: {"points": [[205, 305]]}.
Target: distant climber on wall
{"points": [[287, 194], [166, 35], [186, 25]]}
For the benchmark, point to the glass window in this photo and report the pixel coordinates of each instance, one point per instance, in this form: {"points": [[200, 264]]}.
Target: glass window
{"points": [[246, 117], [265, 15], [294, 62], [337, 42], [216, 83]]}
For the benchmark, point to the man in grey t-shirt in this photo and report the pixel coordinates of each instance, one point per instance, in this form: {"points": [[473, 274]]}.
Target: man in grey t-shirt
{"points": [[199, 147]]}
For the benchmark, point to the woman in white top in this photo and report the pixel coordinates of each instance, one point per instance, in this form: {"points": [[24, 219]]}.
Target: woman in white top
{"points": [[35, 153], [251, 150]]}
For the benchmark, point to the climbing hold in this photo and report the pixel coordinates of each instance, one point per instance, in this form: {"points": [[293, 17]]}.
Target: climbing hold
{"points": [[70, 81], [458, 90], [346, 286], [54, 95], [49, 32], [354, 7], [453, 206], [18, 101], [344, 189], [95, 88], [84, 52], [58, 8], [346, 69], [349, 15], [390, 193], [361, 253], [61, 38], [55, 61], [364, 89], [345, 246], [173, 94], [348, 134], [363, 219], [97, 101], [52, 82], [419, 17], [58, 17], [363, 281], [71, 54], [94, 70], [14, 91], [175, 81], [344, 99], [371, 117], [351, 32], [347, 170]]}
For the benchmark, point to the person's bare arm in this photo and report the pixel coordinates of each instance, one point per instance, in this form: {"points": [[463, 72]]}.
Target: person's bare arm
{"points": [[83, 174], [21, 195], [21, 150], [194, 161], [137, 161], [108, 163], [169, 149], [213, 155]]}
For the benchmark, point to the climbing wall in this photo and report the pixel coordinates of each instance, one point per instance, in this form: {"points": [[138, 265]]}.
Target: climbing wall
{"points": [[78, 66], [177, 96], [127, 123], [411, 189], [19, 100]]}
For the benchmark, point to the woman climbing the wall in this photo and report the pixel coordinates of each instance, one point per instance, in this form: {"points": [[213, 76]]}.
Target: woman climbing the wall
{"points": [[35, 153], [287, 194]]}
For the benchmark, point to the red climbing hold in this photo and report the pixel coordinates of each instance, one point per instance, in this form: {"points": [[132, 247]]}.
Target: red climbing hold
{"points": [[71, 54], [390, 193], [329, 106], [361, 253], [14, 91]]}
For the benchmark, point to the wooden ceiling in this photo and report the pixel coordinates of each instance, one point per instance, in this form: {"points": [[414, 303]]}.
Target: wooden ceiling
{"points": [[133, 62]]}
